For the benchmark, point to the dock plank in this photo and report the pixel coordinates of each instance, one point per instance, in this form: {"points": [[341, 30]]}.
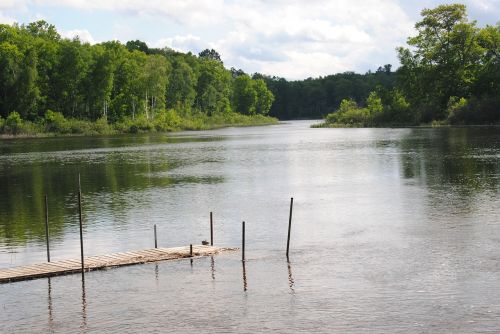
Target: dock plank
{"points": [[71, 266]]}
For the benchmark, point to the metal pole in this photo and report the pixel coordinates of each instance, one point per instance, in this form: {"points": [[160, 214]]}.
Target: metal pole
{"points": [[211, 229], [156, 241], [47, 228], [81, 223], [191, 250], [289, 228], [243, 241]]}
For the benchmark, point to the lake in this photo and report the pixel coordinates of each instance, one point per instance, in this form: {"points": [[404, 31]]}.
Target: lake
{"points": [[394, 230]]}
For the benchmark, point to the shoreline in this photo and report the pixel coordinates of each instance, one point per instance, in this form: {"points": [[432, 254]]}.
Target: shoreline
{"points": [[8, 136], [423, 126]]}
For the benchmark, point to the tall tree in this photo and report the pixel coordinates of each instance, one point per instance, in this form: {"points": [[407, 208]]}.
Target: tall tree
{"points": [[156, 80], [244, 95], [213, 88], [71, 68], [181, 92], [9, 72], [444, 59], [27, 89], [210, 54], [264, 97]]}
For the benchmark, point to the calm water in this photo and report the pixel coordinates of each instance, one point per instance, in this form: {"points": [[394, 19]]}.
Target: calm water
{"points": [[394, 230]]}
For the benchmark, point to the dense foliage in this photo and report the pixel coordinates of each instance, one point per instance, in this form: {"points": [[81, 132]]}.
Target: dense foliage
{"points": [[452, 71], [48, 83], [314, 98]]}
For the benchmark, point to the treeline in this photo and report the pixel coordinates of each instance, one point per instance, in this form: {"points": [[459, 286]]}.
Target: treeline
{"points": [[49, 80], [314, 98], [449, 74]]}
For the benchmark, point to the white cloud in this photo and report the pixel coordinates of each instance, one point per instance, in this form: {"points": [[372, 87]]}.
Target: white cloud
{"points": [[188, 12], [9, 6], [485, 5], [295, 39], [4, 19], [290, 38], [183, 43], [13, 4], [83, 34]]}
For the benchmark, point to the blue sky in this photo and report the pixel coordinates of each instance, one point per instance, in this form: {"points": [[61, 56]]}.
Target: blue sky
{"points": [[291, 38]]}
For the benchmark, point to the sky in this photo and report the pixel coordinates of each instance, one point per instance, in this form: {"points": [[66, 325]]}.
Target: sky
{"points": [[294, 39]]}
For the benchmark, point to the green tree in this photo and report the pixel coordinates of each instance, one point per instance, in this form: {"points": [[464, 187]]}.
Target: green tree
{"points": [[374, 103], [27, 89], [244, 95], [137, 45], [130, 79], [71, 69], [101, 80], [444, 59], [156, 80], [210, 54], [9, 72], [181, 92], [213, 89], [265, 97]]}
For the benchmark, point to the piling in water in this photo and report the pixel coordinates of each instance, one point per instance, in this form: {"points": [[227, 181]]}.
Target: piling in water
{"points": [[289, 228], [81, 224], [211, 230], [156, 241], [191, 250], [243, 241], [47, 228]]}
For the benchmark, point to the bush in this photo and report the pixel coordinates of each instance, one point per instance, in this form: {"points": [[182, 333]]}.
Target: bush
{"points": [[78, 126], [350, 114], [55, 122], [102, 127], [13, 123], [167, 120]]}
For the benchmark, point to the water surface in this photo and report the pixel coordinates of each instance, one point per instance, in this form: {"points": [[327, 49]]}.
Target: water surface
{"points": [[394, 230]]}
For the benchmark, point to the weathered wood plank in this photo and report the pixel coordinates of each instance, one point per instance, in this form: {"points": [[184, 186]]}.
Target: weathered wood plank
{"points": [[70, 266]]}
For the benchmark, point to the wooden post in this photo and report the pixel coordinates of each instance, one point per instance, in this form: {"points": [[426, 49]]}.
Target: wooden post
{"points": [[191, 250], [47, 228], [243, 241], [211, 230], [156, 241], [81, 223], [289, 228]]}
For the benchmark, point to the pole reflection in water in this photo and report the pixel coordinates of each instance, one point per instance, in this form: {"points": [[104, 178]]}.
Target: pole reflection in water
{"points": [[84, 306], [49, 299], [244, 277], [291, 282], [156, 272], [212, 266]]}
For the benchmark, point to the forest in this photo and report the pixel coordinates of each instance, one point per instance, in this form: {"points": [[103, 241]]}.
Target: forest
{"points": [[52, 84]]}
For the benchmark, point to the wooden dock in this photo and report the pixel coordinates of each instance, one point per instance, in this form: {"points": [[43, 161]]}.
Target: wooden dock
{"points": [[64, 267]]}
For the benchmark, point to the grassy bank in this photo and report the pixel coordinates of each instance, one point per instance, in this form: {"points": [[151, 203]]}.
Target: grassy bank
{"points": [[54, 124]]}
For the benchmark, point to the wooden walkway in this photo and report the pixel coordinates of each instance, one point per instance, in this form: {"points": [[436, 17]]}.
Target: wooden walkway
{"points": [[64, 267]]}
